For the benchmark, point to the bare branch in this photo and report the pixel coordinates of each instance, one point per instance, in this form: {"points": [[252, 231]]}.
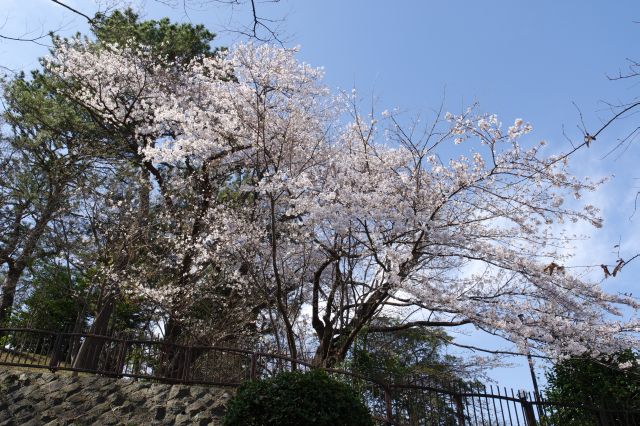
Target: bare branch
{"points": [[76, 11], [489, 351], [390, 329], [43, 34], [259, 28]]}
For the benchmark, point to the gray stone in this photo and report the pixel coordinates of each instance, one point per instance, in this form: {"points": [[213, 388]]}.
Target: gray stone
{"points": [[70, 389], [161, 397], [20, 408], [32, 422], [198, 392], [47, 417], [176, 407], [57, 399], [77, 398], [125, 408], [183, 419], [11, 387], [196, 407], [139, 395], [116, 399], [102, 408], [179, 391], [109, 419], [55, 385]]}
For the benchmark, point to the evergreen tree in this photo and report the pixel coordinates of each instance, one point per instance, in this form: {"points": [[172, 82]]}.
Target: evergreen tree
{"points": [[611, 382]]}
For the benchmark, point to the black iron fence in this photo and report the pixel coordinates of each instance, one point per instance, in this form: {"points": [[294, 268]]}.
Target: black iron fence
{"points": [[416, 403]]}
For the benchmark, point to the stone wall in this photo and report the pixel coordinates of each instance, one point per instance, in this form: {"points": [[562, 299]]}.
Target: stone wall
{"points": [[43, 398]]}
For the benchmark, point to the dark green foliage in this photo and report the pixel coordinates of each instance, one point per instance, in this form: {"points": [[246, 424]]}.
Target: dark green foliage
{"points": [[53, 304], [175, 42], [59, 299], [596, 383], [296, 399], [397, 356]]}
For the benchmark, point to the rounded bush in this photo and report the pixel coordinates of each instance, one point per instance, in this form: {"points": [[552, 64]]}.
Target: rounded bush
{"points": [[297, 398]]}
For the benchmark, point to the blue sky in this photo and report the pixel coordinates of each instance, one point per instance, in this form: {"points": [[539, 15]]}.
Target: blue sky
{"points": [[517, 59]]}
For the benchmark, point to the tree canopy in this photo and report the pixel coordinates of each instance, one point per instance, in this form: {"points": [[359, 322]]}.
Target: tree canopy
{"points": [[236, 198]]}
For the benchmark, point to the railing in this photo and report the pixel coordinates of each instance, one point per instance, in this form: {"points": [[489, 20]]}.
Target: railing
{"points": [[418, 402]]}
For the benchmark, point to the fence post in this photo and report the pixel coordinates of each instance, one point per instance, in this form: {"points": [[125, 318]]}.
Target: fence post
{"points": [[527, 407], [254, 366], [187, 364], [388, 404], [55, 356], [457, 399], [122, 355]]}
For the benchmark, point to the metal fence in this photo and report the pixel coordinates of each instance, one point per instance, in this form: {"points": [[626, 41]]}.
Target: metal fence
{"points": [[418, 402]]}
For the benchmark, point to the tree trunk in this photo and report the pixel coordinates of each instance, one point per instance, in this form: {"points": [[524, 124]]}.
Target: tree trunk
{"points": [[9, 293], [172, 362], [335, 344], [29, 245], [331, 351], [89, 352]]}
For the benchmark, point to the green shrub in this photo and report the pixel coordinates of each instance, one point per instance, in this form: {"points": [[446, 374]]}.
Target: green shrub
{"points": [[297, 398]]}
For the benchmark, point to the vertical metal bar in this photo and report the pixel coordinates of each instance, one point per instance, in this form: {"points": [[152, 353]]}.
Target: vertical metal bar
{"points": [[473, 404], [493, 402], [480, 405], [534, 380], [15, 347], [507, 404], [122, 356], [457, 399], [187, 365], [501, 407], [253, 374], [515, 407], [486, 400], [527, 407], [55, 355]]}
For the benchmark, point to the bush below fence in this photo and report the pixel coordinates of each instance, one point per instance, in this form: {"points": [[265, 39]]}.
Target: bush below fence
{"points": [[417, 402]]}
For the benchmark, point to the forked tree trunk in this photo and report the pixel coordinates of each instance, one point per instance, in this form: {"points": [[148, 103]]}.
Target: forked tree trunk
{"points": [[329, 354]]}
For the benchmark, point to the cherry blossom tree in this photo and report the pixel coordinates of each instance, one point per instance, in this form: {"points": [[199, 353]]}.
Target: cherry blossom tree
{"points": [[335, 221]]}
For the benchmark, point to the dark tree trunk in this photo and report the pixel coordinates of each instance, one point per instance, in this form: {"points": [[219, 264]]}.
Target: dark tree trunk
{"points": [[335, 343], [172, 358], [9, 293], [89, 352], [330, 353]]}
